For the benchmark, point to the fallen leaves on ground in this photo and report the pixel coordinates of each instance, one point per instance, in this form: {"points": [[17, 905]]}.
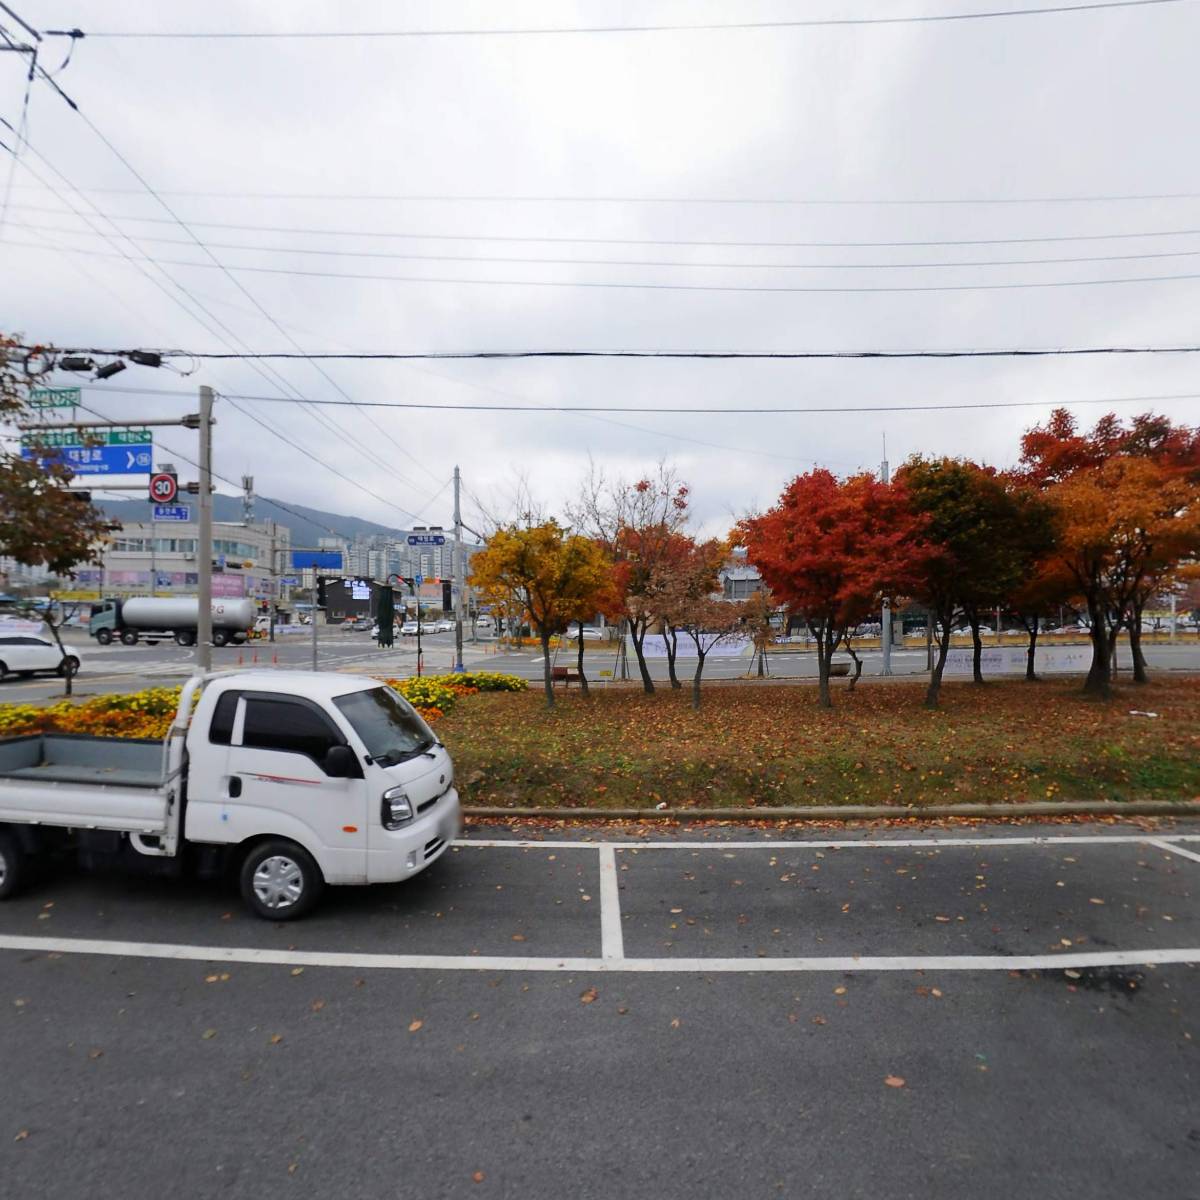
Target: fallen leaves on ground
{"points": [[588, 996], [894, 1081], [413, 1026]]}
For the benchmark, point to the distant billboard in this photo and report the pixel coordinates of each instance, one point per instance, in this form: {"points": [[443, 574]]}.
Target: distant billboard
{"points": [[318, 560]]}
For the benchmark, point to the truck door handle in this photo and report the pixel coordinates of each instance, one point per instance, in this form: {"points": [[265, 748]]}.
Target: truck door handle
{"points": [[235, 786]]}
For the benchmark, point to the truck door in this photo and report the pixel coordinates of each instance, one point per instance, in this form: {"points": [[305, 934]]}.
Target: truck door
{"points": [[276, 784]]}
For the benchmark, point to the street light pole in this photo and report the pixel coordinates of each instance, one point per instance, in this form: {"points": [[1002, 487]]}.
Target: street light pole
{"points": [[459, 573], [885, 628], [204, 631]]}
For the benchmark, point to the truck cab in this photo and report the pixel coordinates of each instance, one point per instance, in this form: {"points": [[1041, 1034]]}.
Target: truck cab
{"points": [[105, 621]]}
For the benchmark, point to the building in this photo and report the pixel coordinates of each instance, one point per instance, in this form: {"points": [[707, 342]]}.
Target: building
{"points": [[739, 580], [148, 558]]}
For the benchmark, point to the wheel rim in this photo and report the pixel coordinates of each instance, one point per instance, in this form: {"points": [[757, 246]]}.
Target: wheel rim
{"points": [[3, 868], [278, 882]]}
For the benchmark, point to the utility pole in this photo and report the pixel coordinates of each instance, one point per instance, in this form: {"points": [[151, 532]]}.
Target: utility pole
{"points": [[316, 595], [885, 628], [459, 573], [204, 550]]}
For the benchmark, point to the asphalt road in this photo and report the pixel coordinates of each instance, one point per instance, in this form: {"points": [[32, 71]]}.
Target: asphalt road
{"points": [[120, 668], [939, 1014]]}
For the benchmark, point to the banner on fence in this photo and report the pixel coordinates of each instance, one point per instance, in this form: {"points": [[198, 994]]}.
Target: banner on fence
{"points": [[1010, 660]]}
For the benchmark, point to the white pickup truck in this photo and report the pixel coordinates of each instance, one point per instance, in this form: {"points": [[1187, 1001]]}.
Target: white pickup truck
{"points": [[294, 779]]}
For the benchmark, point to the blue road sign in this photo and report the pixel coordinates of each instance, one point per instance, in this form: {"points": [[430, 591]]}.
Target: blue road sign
{"points": [[321, 560], [418, 580], [426, 539], [289, 581], [102, 460], [172, 512]]}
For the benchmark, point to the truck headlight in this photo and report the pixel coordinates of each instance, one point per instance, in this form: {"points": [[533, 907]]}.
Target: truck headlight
{"points": [[396, 808]]}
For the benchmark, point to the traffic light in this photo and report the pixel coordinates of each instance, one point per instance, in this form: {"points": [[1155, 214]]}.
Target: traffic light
{"points": [[447, 599]]}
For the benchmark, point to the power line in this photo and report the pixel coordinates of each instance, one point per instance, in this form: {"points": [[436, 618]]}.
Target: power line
{"points": [[703, 355], [622, 241], [212, 319], [739, 410], [636, 262], [811, 23], [517, 198], [640, 285]]}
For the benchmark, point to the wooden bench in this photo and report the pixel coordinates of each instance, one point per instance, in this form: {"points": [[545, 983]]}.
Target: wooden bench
{"points": [[563, 675]]}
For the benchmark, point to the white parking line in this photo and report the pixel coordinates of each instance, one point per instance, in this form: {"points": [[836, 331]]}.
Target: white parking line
{"points": [[639, 966], [844, 844], [1163, 844], [612, 943]]}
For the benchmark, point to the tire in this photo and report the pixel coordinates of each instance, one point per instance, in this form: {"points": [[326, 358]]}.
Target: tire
{"points": [[129, 637], [25, 674], [280, 881], [185, 637], [220, 637], [68, 666], [3, 670], [104, 637], [14, 865]]}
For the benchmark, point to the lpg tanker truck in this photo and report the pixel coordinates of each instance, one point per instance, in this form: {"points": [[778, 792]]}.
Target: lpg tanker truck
{"points": [[156, 618]]}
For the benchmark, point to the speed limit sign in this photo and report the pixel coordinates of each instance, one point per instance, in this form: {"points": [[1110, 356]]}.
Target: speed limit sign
{"points": [[163, 488]]}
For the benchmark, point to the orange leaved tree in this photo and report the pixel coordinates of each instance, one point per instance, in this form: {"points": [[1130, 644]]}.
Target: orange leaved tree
{"points": [[556, 574]]}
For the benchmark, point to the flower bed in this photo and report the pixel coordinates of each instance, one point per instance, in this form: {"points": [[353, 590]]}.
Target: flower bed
{"points": [[149, 713]]}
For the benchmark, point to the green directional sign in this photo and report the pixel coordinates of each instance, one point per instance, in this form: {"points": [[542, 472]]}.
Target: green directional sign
{"points": [[55, 397], [59, 438]]}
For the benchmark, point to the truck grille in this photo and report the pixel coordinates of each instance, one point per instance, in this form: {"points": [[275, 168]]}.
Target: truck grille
{"points": [[432, 847]]}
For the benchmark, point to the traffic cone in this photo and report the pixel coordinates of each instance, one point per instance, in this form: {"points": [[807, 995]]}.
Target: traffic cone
{"points": [[274, 660], [254, 660], [239, 661]]}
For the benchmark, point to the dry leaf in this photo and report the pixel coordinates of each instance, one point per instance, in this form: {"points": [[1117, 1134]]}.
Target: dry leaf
{"points": [[674, 1022], [894, 1081], [518, 937], [276, 1038], [317, 1005], [211, 978], [936, 992], [622, 1011], [588, 996], [1070, 974], [94, 1054], [677, 910], [839, 991], [1095, 900], [292, 1168], [297, 970], [415, 1025], [478, 1177], [818, 1020], [208, 1034], [941, 918], [21, 1135]]}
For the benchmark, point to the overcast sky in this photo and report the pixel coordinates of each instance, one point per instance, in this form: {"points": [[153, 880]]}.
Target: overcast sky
{"points": [[1090, 104]]}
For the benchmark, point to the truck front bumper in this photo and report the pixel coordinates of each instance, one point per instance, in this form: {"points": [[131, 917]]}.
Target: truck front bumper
{"points": [[397, 854]]}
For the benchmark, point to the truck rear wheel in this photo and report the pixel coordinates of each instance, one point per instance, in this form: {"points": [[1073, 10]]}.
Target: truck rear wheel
{"points": [[129, 637], [14, 865], [220, 637], [104, 636], [280, 881], [185, 637]]}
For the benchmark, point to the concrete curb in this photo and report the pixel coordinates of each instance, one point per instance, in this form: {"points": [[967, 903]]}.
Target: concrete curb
{"points": [[855, 812]]}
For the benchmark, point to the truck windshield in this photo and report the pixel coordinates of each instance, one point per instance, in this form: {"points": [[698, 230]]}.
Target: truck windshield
{"points": [[387, 724]]}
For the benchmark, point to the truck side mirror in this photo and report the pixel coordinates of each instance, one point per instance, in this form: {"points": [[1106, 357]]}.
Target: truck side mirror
{"points": [[341, 763]]}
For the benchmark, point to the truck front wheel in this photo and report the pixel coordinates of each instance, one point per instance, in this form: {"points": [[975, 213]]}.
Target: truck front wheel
{"points": [[104, 636], [220, 637], [129, 637], [14, 863], [280, 881]]}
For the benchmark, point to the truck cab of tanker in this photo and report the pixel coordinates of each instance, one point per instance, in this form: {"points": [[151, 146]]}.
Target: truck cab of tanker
{"points": [[105, 620]]}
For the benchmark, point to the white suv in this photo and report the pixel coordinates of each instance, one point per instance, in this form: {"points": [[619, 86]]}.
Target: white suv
{"points": [[27, 653]]}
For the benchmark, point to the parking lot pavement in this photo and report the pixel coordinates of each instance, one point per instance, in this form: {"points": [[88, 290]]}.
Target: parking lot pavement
{"points": [[679, 1016]]}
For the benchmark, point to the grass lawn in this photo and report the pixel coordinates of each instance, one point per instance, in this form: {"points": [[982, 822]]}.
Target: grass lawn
{"points": [[770, 744]]}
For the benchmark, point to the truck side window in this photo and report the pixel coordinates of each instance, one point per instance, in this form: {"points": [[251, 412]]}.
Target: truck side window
{"points": [[220, 731], [278, 724]]}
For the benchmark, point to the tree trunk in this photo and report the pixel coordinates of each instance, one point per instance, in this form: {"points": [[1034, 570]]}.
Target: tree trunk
{"points": [[1099, 676], [69, 679], [1135, 646], [762, 661], [857, 665], [976, 649], [1030, 673], [824, 657], [638, 638], [670, 637], [583, 683], [700, 655], [935, 679], [546, 676]]}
